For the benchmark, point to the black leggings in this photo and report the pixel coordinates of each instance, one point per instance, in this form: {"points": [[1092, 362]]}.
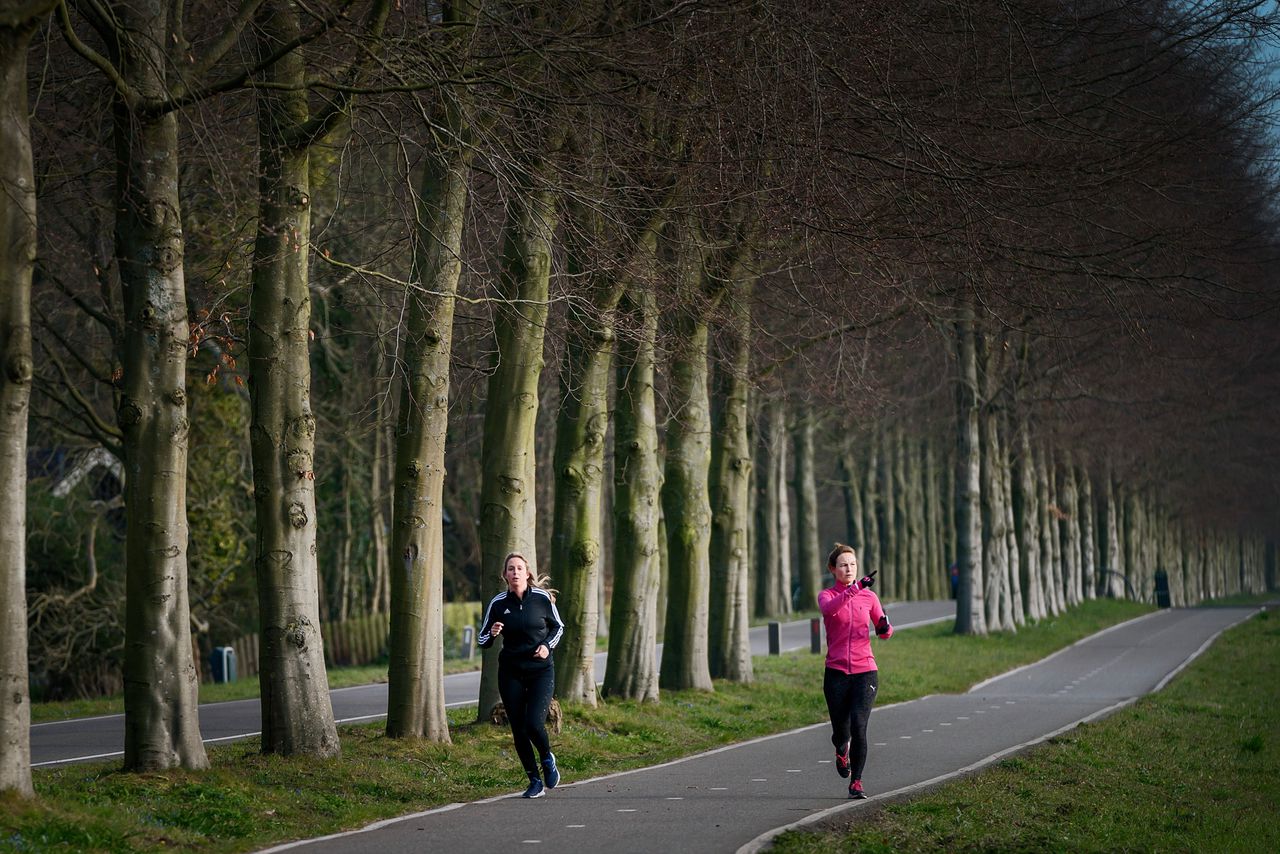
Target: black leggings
{"points": [[526, 695], [849, 701]]}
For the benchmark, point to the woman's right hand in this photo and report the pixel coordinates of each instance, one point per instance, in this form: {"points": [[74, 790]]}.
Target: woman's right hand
{"points": [[495, 629]]}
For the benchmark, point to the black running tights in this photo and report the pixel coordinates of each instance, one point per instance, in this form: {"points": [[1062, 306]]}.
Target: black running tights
{"points": [[526, 695], [849, 701]]}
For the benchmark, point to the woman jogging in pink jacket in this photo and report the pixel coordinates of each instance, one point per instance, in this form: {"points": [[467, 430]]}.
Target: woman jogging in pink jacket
{"points": [[849, 609]]}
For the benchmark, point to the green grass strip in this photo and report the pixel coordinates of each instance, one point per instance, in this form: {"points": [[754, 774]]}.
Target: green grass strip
{"points": [[1195, 767], [246, 800]]}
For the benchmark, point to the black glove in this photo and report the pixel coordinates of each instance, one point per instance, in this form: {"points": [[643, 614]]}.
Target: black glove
{"points": [[866, 580], [882, 626]]}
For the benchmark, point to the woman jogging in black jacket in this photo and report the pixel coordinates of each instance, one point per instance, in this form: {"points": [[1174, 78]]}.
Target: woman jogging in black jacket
{"points": [[525, 617]]}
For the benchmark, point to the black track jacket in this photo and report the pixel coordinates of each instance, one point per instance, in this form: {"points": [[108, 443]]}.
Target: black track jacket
{"points": [[526, 624]]}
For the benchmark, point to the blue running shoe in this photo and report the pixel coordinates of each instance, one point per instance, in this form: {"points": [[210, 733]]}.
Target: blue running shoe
{"points": [[550, 773], [535, 789]]}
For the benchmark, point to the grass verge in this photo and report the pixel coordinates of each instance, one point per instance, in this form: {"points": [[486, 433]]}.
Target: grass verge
{"points": [[246, 800], [1193, 768]]}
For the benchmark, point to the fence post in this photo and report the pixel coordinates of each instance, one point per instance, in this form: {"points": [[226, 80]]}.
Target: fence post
{"points": [[468, 642], [775, 637], [815, 635]]}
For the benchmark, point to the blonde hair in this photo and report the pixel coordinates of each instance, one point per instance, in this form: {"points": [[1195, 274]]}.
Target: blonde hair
{"points": [[839, 549], [535, 580]]}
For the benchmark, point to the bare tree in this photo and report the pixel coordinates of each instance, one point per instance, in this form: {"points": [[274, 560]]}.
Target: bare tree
{"points": [[17, 259]]}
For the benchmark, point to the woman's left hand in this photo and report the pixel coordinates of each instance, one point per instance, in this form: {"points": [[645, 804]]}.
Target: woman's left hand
{"points": [[541, 651]]}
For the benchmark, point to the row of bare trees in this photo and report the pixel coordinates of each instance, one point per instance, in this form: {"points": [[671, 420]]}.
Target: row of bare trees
{"points": [[977, 271]]}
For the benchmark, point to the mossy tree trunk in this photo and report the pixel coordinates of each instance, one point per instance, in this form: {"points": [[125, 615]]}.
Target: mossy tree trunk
{"points": [[686, 505], [889, 579], [1056, 556], [902, 512], [1132, 550], [415, 690], [1068, 502], [1017, 605], [869, 558], [772, 554], [508, 498], [17, 262], [1028, 519], [581, 427], [730, 553], [297, 715], [851, 487], [1048, 533], [938, 580], [161, 681], [995, 552], [632, 671], [1088, 536], [811, 565]]}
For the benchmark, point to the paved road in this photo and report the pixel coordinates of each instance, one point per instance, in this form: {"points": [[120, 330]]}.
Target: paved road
{"points": [[83, 739], [735, 799]]}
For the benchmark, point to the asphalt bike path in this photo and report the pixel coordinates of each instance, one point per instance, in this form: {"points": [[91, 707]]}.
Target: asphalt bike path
{"points": [[737, 798], [101, 738]]}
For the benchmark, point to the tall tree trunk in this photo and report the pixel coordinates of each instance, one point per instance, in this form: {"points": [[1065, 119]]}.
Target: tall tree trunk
{"points": [[582, 423], [870, 556], [1048, 533], [995, 539], [17, 261], [852, 489], [1088, 536], [1129, 539], [902, 512], [730, 610], [1029, 525], [415, 673], [508, 498], [1069, 502], [687, 508], [889, 579], [686, 504], [1017, 607], [581, 427], [780, 461], [915, 472], [948, 498], [297, 716], [161, 680], [970, 614], [1057, 556], [383, 448], [806, 488], [632, 671], [1113, 554], [935, 554], [773, 587], [766, 519]]}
